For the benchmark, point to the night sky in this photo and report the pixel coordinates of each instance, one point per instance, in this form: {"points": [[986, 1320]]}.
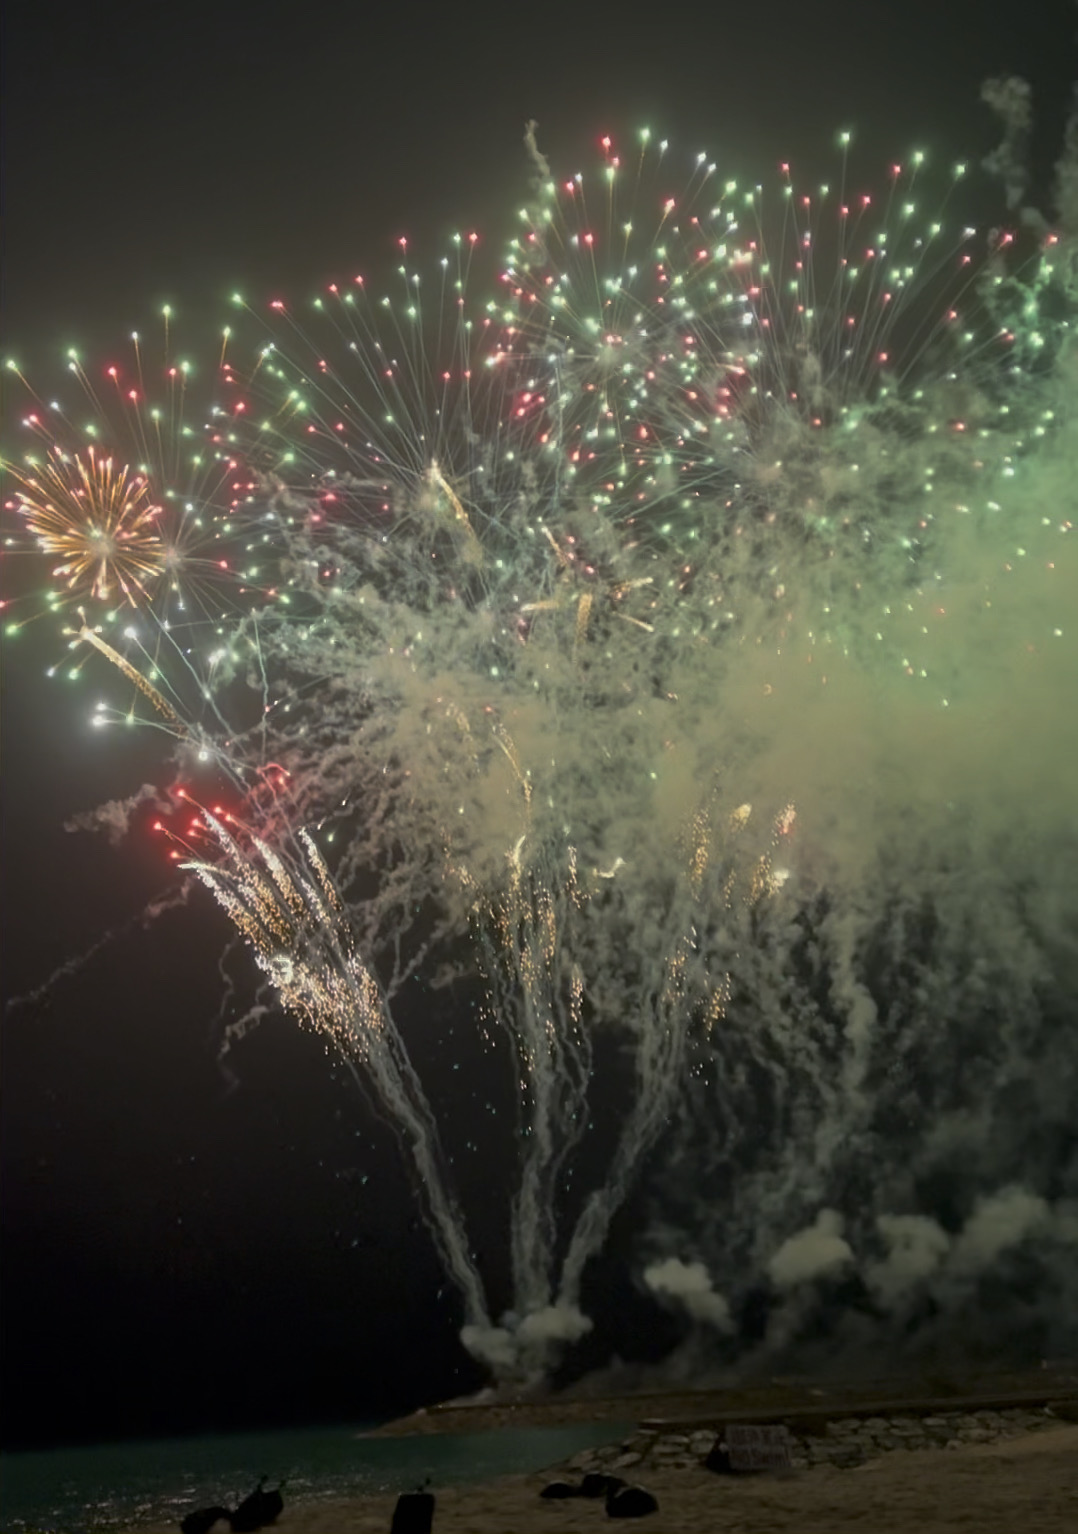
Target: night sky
{"points": [[183, 1249]]}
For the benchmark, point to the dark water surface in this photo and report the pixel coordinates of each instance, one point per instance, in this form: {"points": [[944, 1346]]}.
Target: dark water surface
{"points": [[110, 1486]]}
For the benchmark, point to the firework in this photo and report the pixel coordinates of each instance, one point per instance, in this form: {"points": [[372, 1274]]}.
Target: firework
{"points": [[726, 500], [682, 333], [737, 395], [287, 909], [99, 521], [491, 516], [135, 508], [128, 494]]}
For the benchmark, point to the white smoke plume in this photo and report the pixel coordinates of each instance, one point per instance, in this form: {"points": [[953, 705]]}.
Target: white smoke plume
{"points": [[817, 1252], [554, 1323], [493, 1346], [999, 1221], [688, 1284], [523, 1348], [916, 1247]]}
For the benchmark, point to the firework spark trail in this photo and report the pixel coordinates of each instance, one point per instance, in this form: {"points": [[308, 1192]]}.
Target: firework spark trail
{"points": [[685, 992], [90, 636], [536, 995], [297, 930], [538, 991], [659, 1064]]}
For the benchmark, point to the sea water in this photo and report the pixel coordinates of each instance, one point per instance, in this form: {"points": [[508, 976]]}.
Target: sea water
{"points": [[123, 1485]]}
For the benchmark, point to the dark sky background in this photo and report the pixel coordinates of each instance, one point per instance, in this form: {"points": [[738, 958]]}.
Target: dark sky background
{"points": [[177, 1255]]}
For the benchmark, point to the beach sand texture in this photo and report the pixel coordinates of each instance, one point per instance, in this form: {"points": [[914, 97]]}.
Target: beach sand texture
{"points": [[1025, 1485]]}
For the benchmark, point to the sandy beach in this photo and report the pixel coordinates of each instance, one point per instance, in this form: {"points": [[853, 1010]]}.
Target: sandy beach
{"points": [[1028, 1485]]}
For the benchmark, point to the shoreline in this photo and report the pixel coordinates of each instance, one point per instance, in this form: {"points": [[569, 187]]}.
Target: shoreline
{"points": [[1010, 1487], [770, 1399]]}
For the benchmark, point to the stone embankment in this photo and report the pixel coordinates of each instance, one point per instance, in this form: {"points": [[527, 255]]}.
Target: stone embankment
{"points": [[842, 1441]]}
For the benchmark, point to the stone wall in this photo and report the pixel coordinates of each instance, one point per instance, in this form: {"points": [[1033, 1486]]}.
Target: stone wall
{"points": [[840, 1441]]}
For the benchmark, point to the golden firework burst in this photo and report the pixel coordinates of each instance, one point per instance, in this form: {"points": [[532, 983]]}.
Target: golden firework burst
{"points": [[99, 518]]}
